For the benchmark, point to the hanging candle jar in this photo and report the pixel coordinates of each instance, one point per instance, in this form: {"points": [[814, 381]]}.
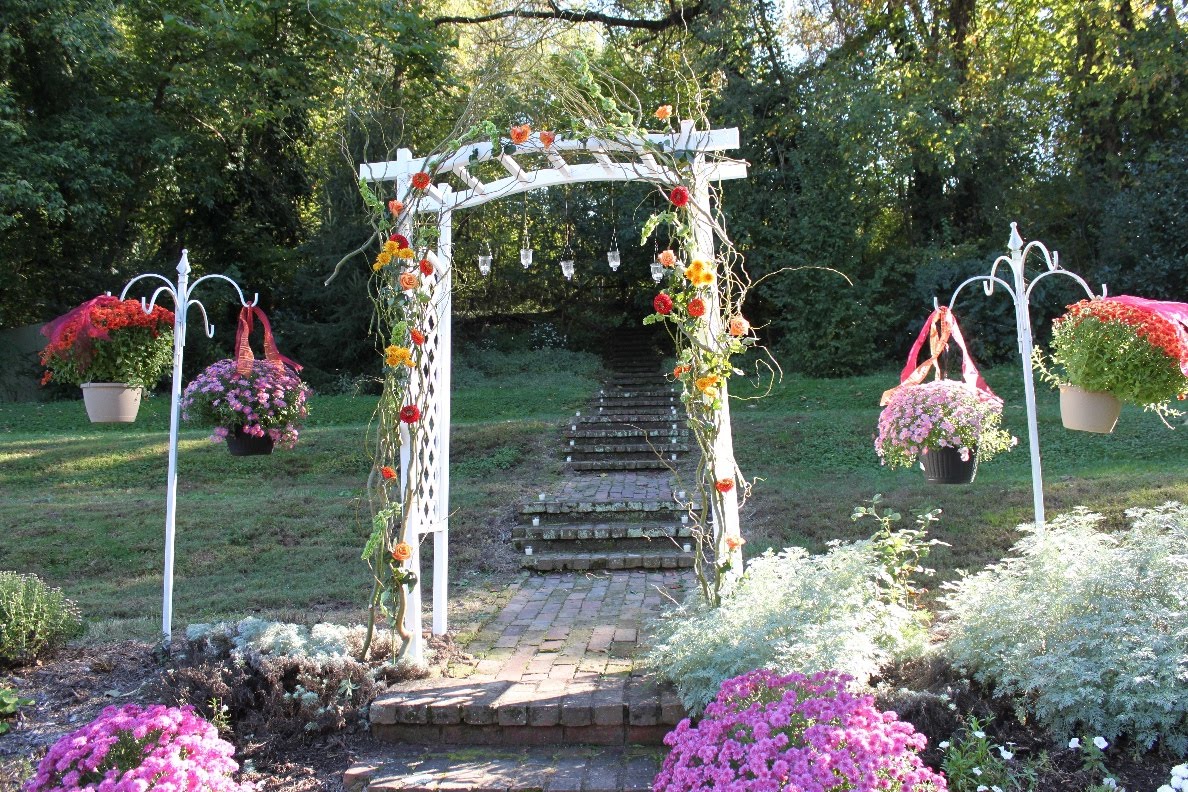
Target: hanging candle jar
{"points": [[484, 260]]}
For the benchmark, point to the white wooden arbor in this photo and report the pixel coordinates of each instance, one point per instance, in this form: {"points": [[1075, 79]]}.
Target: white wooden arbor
{"points": [[566, 162]]}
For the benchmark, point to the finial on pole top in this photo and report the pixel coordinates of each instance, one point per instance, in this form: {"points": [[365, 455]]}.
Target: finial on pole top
{"points": [[183, 265], [1016, 242]]}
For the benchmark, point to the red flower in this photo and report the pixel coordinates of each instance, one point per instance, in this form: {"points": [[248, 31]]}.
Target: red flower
{"points": [[662, 304], [410, 413], [724, 485], [387, 472], [420, 181], [426, 267], [696, 307], [417, 336], [400, 239], [679, 196]]}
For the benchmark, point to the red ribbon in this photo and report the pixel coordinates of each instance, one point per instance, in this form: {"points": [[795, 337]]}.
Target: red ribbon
{"points": [[939, 328], [1174, 312], [243, 347], [87, 329]]}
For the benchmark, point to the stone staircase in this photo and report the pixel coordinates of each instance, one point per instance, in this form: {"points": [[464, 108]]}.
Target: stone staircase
{"points": [[617, 509]]}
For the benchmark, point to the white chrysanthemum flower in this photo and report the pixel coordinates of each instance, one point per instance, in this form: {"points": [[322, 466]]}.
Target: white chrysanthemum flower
{"points": [[981, 735], [1101, 743], [1074, 743], [1005, 754]]}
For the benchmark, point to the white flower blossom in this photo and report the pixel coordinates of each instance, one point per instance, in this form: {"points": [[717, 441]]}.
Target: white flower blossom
{"points": [[976, 771], [1165, 788], [1109, 782], [981, 735], [1074, 743], [1101, 743], [982, 788], [1005, 754], [943, 745]]}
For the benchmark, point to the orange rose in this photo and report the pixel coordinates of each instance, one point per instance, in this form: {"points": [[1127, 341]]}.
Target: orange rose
{"points": [[409, 281], [664, 112], [401, 552], [547, 138], [739, 326], [667, 258], [734, 542], [708, 385], [420, 181], [519, 134], [395, 207]]}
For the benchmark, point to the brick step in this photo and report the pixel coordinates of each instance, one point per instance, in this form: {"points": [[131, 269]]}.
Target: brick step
{"points": [[560, 560], [591, 709], [587, 450], [612, 509], [663, 430], [644, 389], [655, 374], [603, 547], [425, 768], [665, 409], [543, 534]]}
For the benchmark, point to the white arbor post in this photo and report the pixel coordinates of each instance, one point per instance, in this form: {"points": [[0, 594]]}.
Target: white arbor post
{"points": [[724, 463], [1020, 292], [431, 511]]}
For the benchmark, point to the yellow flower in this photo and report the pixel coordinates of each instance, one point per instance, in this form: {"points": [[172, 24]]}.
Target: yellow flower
{"points": [[708, 385], [382, 260], [405, 253], [391, 247], [700, 272], [398, 355]]}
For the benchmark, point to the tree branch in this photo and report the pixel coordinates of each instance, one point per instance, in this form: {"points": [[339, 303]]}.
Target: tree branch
{"points": [[677, 17]]}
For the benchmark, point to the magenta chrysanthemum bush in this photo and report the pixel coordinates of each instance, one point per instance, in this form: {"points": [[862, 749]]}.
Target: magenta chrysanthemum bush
{"points": [[133, 748], [766, 732], [269, 399], [940, 414]]}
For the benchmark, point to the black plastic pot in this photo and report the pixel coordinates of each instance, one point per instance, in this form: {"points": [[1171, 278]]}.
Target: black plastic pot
{"points": [[240, 444], [945, 466]]}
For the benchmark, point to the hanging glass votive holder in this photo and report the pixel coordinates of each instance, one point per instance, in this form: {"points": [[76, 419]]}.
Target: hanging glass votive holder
{"points": [[526, 257], [484, 260], [657, 271], [614, 259], [567, 263]]}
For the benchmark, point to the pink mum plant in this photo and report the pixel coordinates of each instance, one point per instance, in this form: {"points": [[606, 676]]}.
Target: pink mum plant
{"points": [[132, 749], [810, 734]]}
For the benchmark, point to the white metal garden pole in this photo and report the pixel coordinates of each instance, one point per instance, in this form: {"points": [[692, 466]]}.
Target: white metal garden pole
{"points": [[181, 307], [1020, 291]]}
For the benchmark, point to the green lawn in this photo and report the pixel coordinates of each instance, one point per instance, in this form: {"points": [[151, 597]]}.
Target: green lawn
{"points": [[83, 505]]}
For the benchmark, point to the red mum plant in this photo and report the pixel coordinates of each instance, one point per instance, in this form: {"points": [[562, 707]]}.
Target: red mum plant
{"points": [[400, 239], [417, 336], [388, 472], [410, 413], [426, 267], [662, 303], [109, 340], [696, 307], [679, 196], [420, 181]]}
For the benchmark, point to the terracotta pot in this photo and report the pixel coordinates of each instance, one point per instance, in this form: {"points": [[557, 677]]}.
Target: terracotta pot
{"points": [[1088, 411], [240, 444], [945, 466], [111, 402]]}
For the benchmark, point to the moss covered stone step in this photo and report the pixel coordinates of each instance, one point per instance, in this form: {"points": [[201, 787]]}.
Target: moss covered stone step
{"points": [[541, 534], [424, 768], [662, 431], [611, 463], [601, 419], [579, 561], [591, 448], [607, 507]]}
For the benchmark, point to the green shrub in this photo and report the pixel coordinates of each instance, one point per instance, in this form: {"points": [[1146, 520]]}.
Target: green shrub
{"points": [[1085, 630], [848, 609], [34, 619]]}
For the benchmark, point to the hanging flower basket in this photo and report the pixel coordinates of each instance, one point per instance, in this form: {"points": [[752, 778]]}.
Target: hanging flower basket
{"points": [[240, 443], [113, 349], [111, 402], [1117, 349], [1088, 411], [946, 466]]}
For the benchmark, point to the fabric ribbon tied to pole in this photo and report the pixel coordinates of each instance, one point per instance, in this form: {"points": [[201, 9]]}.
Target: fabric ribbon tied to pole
{"points": [[243, 348]]}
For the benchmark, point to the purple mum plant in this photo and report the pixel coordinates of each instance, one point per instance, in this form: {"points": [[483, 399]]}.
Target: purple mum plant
{"points": [[765, 733], [269, 400], [133, 748], [940, 414]]}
